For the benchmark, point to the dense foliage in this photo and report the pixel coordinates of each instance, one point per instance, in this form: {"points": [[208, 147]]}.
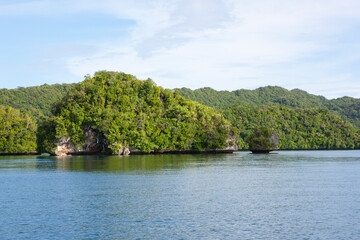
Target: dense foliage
{"points": [[139, 114], [134, 113], [296, 128], [35, 101], [262, 138], [346, 107], [17, 131]]}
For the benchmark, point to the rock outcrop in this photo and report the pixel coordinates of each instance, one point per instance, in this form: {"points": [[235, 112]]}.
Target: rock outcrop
{"points": [[64, 147], [231, 143], [96, 143], [263, 140], [273, 141]]}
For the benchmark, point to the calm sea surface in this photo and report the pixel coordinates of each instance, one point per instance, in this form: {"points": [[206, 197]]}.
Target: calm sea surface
{"points": [[285, 195]]}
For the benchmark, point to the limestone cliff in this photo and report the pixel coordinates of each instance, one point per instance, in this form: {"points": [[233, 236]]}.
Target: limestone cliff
{"points": [[96, 143]]}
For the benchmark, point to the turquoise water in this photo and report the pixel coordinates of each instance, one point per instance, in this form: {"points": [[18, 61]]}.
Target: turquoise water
{"points": [[286, 195]]}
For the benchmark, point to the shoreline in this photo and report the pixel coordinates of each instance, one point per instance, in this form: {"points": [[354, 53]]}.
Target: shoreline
{"points": [[310, 149], [175, 152]]}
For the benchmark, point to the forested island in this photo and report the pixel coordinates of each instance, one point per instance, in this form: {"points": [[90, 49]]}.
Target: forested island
{"points": [[115, 113]]}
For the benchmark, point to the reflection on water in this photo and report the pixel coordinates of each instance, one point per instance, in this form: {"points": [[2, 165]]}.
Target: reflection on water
{"points": [[116, 163], [110, 163], [169, 162]]}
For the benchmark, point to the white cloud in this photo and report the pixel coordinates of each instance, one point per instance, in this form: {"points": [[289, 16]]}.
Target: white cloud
{"points": [[223, 44]]}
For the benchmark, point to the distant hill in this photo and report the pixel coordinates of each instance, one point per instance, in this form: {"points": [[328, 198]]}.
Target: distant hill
{"points": [[297, 128], [35, 101], [346, 107], [302, 120]]}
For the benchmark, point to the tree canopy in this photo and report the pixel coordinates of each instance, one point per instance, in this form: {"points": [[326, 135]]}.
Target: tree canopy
{"points": [[140, 114], [17, 131], [35, 101], [296, 128], [134, 113], [346, 107], [262, 140]]}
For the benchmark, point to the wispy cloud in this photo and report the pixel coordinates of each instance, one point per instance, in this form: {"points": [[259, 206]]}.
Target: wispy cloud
{"points": [[225, 44]]}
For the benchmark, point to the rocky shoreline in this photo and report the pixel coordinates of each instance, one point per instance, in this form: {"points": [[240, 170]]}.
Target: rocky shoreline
{"points": [[18, 154], [210, 151]]}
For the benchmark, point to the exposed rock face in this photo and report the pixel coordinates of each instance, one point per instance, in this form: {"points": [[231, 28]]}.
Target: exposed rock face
{"points": [[273, 142], [64, 147], [91, 140], [96, 143], [123, 151], [231, 143]]}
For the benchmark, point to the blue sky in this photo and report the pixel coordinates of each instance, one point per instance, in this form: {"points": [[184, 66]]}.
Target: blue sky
{"points": [[223, 44]]}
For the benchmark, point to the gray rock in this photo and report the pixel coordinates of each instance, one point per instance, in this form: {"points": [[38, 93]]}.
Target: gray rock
{"points": [[96, 143], [64, 147]]}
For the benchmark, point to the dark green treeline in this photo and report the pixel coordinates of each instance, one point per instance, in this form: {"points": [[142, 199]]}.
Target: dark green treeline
{"points": [[346, 107], [17, 131], [35, 101], [296, 128]]}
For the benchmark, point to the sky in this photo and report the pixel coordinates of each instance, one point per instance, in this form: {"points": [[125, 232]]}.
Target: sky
{"points": [[222, 44]]}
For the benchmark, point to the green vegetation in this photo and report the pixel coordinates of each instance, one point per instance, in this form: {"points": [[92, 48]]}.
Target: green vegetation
{"points": [[346, 107], [35, 101], [129, 112], [17, 131], [133, 113], [296, 128], [262, 140]]}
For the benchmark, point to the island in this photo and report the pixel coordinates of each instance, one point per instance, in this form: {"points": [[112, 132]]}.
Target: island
{"points": [[115, 113], [263, 140]]}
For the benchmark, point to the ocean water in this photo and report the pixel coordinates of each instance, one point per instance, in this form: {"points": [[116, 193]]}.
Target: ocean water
{"points": [[284, 195]]}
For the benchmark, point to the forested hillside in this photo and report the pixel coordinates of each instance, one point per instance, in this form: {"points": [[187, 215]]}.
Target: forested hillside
{"points": [[346, 107], [129, 113], [138, 113], [296, 128], [35, 101], [17, 131]]}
